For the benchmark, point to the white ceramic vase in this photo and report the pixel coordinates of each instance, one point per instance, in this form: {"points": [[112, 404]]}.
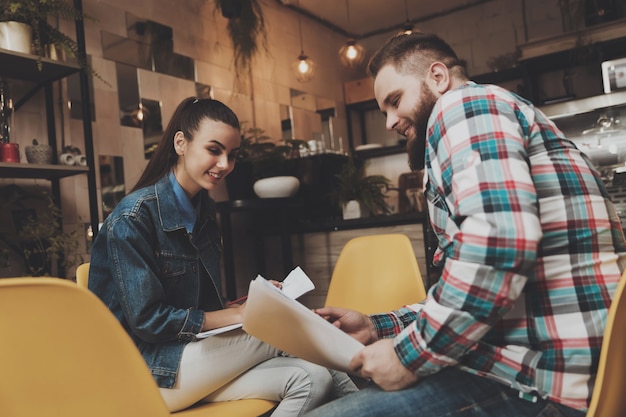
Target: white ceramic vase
{"points": [[16, 36], [354, 210], [276, 187]]}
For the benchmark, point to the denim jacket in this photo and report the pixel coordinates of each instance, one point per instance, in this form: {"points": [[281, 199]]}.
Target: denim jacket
{"points": [[150, 272]]}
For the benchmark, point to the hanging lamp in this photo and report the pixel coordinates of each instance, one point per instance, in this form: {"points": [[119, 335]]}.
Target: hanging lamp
{"points": [[407, 28], [303, 67], [351, 54]]}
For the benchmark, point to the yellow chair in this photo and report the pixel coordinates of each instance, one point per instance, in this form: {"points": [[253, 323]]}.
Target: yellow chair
{"points": [[82, 275], [375, 274], [608, 399], [63, 354]]}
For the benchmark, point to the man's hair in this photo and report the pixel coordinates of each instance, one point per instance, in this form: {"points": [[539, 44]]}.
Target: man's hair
{"points": [[414, 53]]}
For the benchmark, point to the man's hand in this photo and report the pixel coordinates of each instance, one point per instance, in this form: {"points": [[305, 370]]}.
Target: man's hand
{"points": [[357, 325], [380, 363]]}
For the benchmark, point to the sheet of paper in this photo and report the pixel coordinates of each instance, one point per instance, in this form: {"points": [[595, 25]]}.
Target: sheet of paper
{"points": [[219, 330], [296, 284], [284, 323]]}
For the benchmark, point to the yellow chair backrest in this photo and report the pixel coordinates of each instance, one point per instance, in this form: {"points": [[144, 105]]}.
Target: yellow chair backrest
{"points": [[608, 399], [375, 274], [82, 275], [64, 354]]}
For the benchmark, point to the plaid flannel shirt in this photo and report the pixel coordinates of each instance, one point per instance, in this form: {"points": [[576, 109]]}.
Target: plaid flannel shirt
{"points": [[530, 245]]}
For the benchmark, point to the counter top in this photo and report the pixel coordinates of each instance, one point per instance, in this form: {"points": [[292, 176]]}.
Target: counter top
{"points": [[303, 218]]}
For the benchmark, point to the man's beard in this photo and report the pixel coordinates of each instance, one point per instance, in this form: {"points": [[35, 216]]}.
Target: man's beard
{"points": [[416, 147]]}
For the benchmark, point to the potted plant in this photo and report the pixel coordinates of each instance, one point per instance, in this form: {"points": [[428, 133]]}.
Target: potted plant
{"points": [[39, 242], [359, 195], [38, 14]]}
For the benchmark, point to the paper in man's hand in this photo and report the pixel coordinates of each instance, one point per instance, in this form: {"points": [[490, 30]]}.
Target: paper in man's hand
{"points": [[290, 326]]}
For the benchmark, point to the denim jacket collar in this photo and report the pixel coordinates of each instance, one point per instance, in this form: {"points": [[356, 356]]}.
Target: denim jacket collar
{"points": [[169, 212], [167, 205]]}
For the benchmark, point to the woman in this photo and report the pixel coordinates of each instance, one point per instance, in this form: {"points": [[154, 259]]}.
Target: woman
{"points": [[156, 265]]}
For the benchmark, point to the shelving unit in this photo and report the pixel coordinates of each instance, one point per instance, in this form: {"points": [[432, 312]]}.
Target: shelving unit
{"points": [[36, 171], [24, 68]]}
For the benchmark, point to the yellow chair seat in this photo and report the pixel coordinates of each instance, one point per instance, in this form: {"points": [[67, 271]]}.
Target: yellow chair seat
{"points": [[63, 354]]}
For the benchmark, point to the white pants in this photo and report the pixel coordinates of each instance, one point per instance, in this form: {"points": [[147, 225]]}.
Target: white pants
{"points": [[235, 365]]}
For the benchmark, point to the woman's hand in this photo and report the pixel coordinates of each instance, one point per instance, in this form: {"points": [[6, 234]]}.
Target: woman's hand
{"points": [[357, 325], [277, 284]]}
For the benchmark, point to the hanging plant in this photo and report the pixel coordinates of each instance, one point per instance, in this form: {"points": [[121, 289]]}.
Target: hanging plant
{"points": [[246, 30]]}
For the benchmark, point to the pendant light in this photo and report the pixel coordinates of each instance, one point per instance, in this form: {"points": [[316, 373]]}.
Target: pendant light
{"points": [[407, 28], [303, 67], [351, 54]]}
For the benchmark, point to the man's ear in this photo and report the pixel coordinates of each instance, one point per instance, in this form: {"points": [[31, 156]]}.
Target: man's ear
{"points": [[179, 142], [439, 76]]}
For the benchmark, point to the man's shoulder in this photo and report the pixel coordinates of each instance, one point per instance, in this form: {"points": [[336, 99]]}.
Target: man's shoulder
{"points": [[470, 92]]}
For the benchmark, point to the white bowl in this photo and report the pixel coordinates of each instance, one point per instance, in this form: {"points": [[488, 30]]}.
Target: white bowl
{"points": [[276, 187]]}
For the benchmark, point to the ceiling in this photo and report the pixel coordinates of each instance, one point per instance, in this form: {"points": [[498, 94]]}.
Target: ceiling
{"points": [[364, 18]]}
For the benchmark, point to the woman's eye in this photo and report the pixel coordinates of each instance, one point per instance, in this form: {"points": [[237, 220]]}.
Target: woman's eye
{"points": [[215, 151], [395, 102]]}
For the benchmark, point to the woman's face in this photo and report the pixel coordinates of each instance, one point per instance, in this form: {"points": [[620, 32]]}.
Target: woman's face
{"points": [[204, 161]]}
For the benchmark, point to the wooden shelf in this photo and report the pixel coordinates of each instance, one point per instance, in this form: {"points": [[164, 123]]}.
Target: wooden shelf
{"points": [[21, 66], [568, 41], [39, 171], [382, 151]]}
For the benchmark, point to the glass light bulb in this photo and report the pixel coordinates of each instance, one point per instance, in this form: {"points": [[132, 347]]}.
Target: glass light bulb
{"points": [[303, 66], [351, 52]]}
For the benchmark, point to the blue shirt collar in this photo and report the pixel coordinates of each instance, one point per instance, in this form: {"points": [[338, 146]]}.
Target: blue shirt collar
{"points": [[187, 211]]}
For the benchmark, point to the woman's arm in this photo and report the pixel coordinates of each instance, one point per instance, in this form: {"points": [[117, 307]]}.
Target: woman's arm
{"points": [[136, 275], [221, 318]]}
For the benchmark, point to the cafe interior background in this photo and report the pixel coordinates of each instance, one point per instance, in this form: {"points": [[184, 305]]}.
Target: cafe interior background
{"points": [[145, 56]]}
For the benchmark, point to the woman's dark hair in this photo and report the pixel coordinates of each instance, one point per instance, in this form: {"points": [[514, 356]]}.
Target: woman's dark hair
{"points": [[414, 53], [187, 118]]}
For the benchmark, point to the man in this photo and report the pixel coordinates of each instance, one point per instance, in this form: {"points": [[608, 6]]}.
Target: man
{"points": [[530, 248]]}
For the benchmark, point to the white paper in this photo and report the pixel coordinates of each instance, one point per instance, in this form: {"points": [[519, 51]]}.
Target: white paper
{"points": [[284, 323], [219, 330], [296, 284]]}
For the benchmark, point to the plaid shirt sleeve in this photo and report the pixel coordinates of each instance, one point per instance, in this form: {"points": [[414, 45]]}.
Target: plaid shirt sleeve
{"points": [[483, 206]]}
